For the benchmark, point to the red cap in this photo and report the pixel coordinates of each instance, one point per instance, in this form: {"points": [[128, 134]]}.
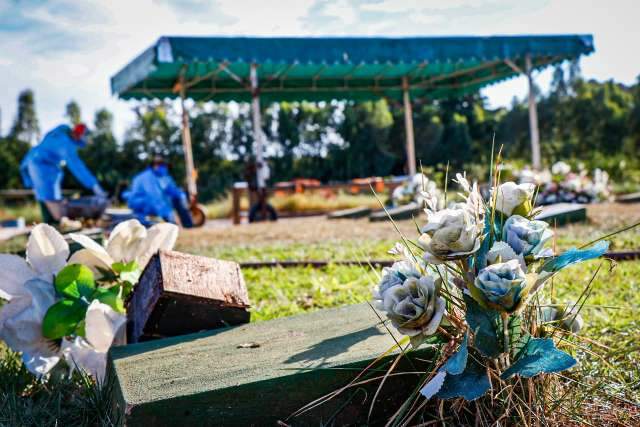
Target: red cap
{"points": [[79, 130]]}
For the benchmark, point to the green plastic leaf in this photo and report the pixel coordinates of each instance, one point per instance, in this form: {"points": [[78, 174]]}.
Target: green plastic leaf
{"points": [[483, 323], [471, 384], [111, 297], [539, 356], [458, 361], [129, 271], [62, 318], [75, 281], [573, 256], [517, 336], [455, 365]]}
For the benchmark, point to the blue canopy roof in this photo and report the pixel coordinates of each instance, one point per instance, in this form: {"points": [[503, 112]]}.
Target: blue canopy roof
{"points": [[296, 68]]}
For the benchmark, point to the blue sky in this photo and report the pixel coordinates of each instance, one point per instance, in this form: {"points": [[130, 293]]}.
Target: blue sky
{"points": [[69, 49]]}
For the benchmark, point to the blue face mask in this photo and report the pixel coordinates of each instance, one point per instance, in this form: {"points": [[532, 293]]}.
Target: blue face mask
{"points": [[161, 170]]}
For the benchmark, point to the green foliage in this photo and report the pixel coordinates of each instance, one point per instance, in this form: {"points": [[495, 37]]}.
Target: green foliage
{"points": [[484, 323], [75, 281], [596, 123], [538, 356], [62, 318], [73, 112]]}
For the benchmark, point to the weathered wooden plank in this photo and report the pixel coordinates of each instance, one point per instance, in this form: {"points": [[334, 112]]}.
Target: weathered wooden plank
{"points": [[402, 212], [179, 294], [563, 213], [260, 373], [352, 213]]}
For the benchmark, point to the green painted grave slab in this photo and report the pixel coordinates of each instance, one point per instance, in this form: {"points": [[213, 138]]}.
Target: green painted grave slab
{"points": [[352, 213], [563, 213], [402, 212], [260, 373]]}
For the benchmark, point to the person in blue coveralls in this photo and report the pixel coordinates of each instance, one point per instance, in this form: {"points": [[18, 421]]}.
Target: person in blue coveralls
{"points": [[154, 193], [42, 168]]}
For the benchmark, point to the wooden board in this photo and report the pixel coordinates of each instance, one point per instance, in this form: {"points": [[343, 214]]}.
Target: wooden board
{"points": [[179, 294], [402, 212], [563, 213], [350, 213], [260, 373]]}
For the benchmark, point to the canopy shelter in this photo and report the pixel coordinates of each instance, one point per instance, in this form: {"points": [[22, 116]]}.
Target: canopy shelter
{"points": [[349, 68]]}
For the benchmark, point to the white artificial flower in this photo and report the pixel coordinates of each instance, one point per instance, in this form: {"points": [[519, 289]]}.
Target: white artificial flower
{"points": [[104, 327], [27, 286], [412, 304], [502, 252], [502, 284], [560, 168], [129, 241], [512, 197], [450, 234], [526, 237]]}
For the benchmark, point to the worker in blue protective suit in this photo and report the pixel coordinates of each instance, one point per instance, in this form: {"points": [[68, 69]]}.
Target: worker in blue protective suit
{"points": [[42, 167], [154, 193]]}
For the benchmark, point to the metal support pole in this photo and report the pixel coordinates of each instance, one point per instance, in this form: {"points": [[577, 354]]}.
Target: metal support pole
{"points": [[408, 125], [533, 118], [186, 145], [257, 126]]}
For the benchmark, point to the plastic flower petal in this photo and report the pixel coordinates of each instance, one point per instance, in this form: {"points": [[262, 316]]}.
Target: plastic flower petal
{"points": [[47, 251], [449, 234], [103, 327], [15, 272], [526, 237], [129, 241], [21, 320], [512, 198], [413, 305], [502, 286], [161, 236], [125, 240]]}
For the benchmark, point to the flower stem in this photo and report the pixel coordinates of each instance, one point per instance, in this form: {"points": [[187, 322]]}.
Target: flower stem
{"points": [[505, 331]]}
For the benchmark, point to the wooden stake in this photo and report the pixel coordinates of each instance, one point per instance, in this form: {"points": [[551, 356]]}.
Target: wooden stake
{"points": [[186, 144], [533, 118], [408, 125]]}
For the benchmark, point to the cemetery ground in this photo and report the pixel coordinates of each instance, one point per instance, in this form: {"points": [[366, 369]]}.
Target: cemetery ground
{"points": [[609, 353]]}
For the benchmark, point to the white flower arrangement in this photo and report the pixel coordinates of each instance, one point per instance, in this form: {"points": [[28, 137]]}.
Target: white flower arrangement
{"points": [[58, 307], [468, 278]]}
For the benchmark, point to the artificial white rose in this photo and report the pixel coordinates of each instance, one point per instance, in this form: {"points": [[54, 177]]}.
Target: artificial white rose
{"points": [[560, 168], [512, 198], [450, 234], [526, 237], [27, 286], [563, 317], [104, 327], [129, 241], [502, 285], [413, 305]]}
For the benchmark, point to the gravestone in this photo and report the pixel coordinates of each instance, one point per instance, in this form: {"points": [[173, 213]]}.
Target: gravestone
{"points": [[180, 294], [563, 213], [401, 212], [259, 374], [629, 198], [350, 213]]}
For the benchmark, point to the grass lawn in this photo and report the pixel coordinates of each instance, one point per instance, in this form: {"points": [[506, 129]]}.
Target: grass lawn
{"points": [[609, 354]]}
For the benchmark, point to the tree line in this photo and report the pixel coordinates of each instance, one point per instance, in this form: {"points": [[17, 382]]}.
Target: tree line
{"points": [[597, 123]]}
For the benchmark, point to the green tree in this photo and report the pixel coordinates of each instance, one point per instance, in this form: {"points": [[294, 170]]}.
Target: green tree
{"points": [[25, 126], [73, 112]]}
